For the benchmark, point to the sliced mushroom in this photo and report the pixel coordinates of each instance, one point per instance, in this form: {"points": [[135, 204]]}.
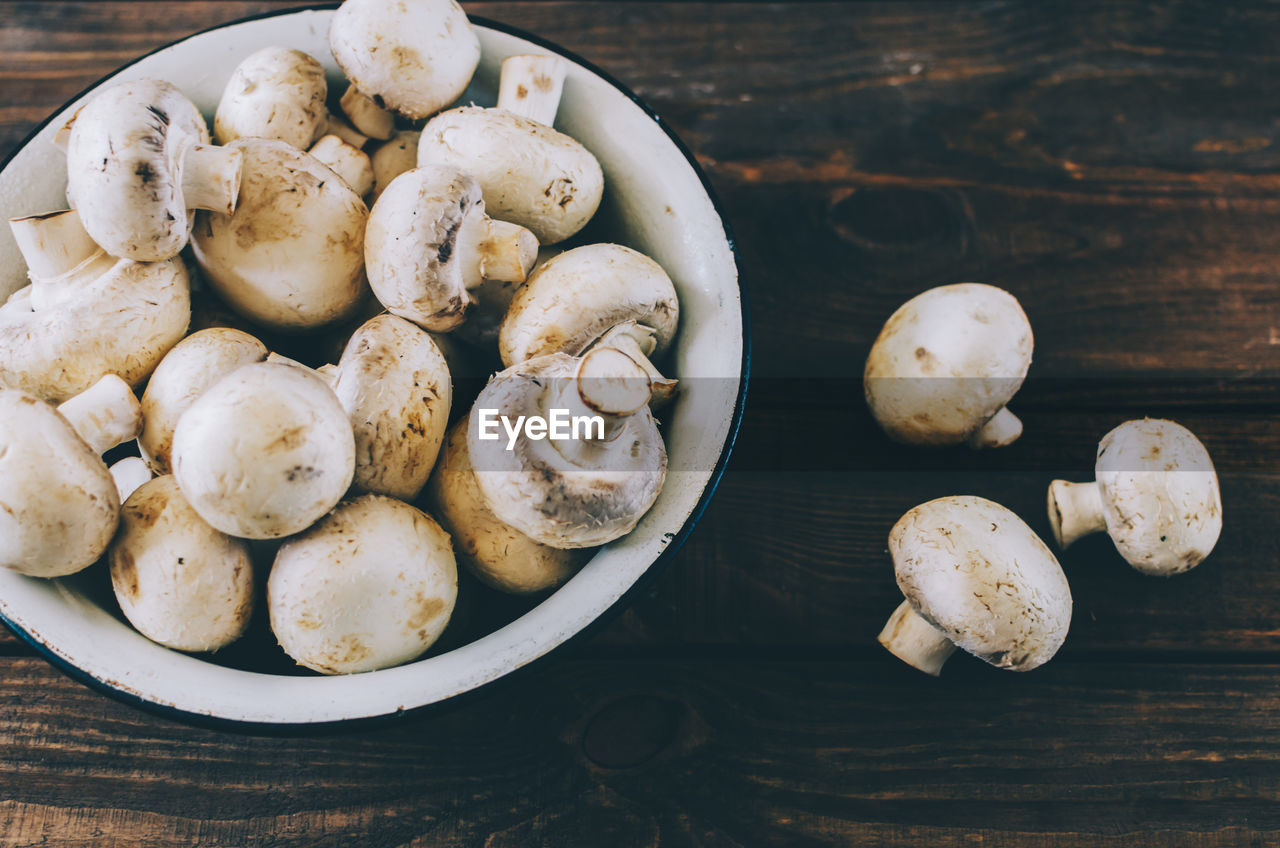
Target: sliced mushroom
{"points": [[605, 295], [393, 158], [530, 174], [291, 256], [275, 93], [264, 452], [496, 553], [974, 576], [58, 502], [371, 586], [85, 313], [138, 158], [1156, 496], [946, 363], [413, 57], [575, 492], [192, 366], [179, 581], [429, 242], [347, 161]]}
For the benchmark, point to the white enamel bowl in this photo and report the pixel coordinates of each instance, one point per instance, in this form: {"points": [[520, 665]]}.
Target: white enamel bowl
{"points": [[656, 201]]}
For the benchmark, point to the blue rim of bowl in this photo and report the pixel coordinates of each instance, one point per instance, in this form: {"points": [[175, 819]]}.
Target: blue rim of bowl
{"points": [[658, 565]]}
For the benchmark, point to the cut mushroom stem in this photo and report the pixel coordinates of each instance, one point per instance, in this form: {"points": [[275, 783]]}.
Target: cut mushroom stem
{"points": [[1001, 430], [639, 342], [211, 177], [609, 385], [104, 415], [531, 86], [504, 252], [366, 115], [347, 161], [1075, 510], [54, 243], [129, 473], [915, 641]]}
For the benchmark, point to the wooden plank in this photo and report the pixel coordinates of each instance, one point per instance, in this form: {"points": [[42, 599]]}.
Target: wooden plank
{"points": [[684, 752]]}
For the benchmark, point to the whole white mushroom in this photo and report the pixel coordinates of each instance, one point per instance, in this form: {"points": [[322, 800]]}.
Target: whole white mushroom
{"points": [[277, 93]]}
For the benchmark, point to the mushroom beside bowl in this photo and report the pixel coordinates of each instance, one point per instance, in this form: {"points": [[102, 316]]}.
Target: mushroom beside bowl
{"points": [[657, 201]]}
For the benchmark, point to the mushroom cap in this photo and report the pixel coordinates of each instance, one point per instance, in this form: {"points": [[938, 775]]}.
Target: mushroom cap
{"points": [[1160, 495], [573, 298], [193, 365], [264, 452], [276, 93], [371, 586], [179, 581], [537, 490], [530, 174], [120, 167], [980, 575], [414, 57], [496, 553], [946, 362], [291, 257], [410, 242], [394, 384], [58, 502], [121, 322]]}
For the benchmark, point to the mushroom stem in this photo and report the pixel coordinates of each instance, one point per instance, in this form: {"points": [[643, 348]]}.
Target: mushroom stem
{"points": [[366, 115], [607, 385], [129, 473], [105, 415], [211, 177], [503, 252], [343, 130], [347, 161], [915, 641], [639, 342], [1001, 429], [531, 86], [1075, 510], [53, 244]]}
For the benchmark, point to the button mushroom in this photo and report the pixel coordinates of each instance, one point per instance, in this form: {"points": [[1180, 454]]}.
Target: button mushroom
{"points": [[291, 256], [496, 553], [58, 502], [530, 174], [392, 159], [600, 294], [179, 581], [946, 363], [264, 452], [86, 313], [977, 577], [275, 93], [569, 492], [371, 586], [195, 363], [138, 158], [1156, 496], [413, 57], [429, 242]]}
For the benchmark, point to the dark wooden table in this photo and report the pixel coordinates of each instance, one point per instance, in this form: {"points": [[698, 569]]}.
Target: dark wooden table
{"points": [[1117, 167]]}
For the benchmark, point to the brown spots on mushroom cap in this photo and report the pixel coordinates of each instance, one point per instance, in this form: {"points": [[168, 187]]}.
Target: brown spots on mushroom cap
{"points": [[124, 572], [425, 608]]}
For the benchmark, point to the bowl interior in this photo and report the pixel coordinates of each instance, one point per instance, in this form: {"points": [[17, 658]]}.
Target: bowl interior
{"points": [[654, 202]]}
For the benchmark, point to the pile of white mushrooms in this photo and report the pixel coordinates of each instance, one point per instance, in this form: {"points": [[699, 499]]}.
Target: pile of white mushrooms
{"points": [[973, 573], [365, 221]]}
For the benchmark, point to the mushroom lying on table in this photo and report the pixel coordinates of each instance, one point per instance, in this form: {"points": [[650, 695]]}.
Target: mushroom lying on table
{"points": [[945, 365], [192, 366], [264, 452], [569, 492], [276, 93], [601, 295], [530, 174], [138, 158], [86, 313], [975, 576], [58, 502], [429, 242], [1156, 496], [412, 57], [291, 257], [371, 586], [179, 581]]}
